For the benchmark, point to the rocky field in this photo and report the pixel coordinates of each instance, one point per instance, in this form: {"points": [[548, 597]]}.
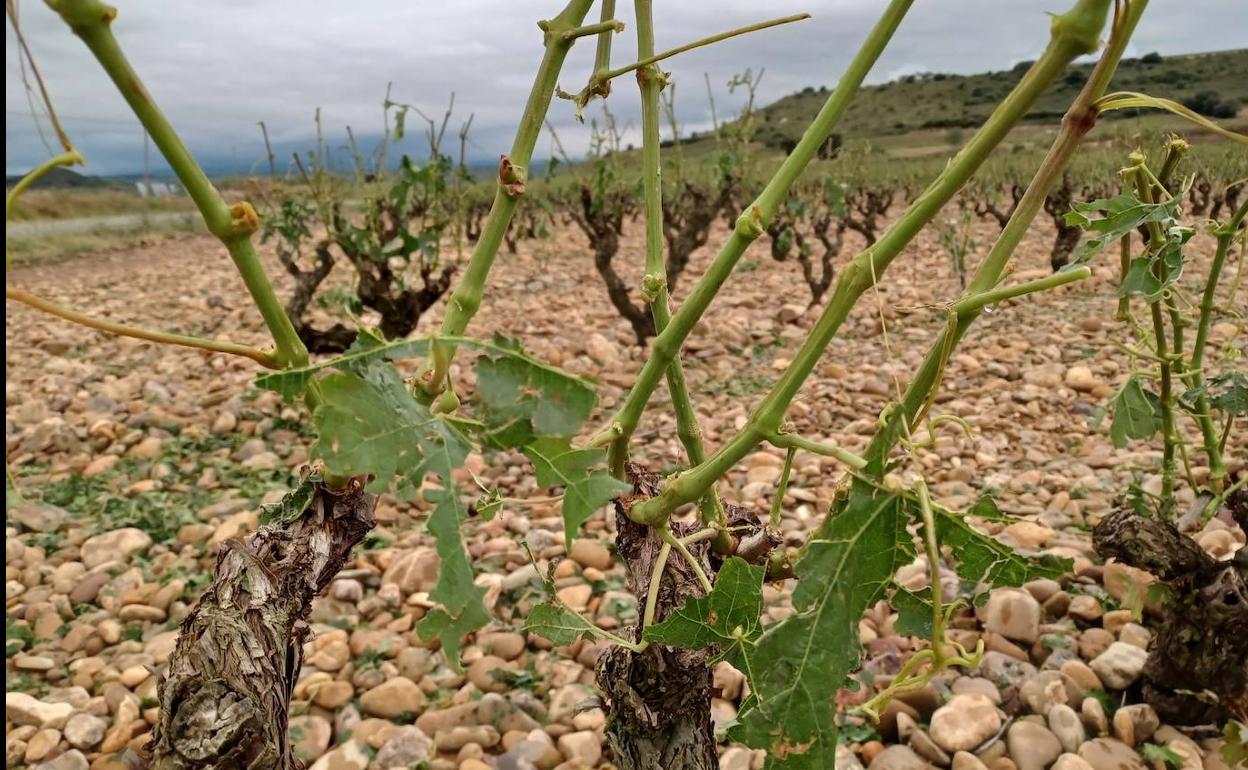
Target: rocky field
{"points": [[137, 463]]}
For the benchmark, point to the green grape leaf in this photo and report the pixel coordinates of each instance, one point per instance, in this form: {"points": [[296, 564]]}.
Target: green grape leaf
{"points": [[727, 616], [584, 490], [1140, 279], [522, 399], [450, 629], [368, 423], [981, 559], [1235, 743], [557, 624], [463, 610], [1137, 413], [801, 662], [914, 612], [371, 424], [1228, 393], [455, 589], [488, 505], [293, 503], [1119, 216], [368, 348], [986, 508]]}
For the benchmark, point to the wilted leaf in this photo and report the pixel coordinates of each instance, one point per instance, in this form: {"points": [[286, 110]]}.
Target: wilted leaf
{"points": [[981, 559], [522, 399], [801, 662], [1137, 414], [371, 424], [488, 505], [1119, 216], [584, 490], [557, 624], [914, 612], [728, 616], [293, 503]]}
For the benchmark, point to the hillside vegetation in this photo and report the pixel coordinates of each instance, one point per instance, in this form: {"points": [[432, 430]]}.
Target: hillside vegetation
{"points": [[927, 106]]}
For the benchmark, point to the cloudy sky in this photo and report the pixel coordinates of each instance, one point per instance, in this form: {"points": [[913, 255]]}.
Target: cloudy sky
{"points": [[219, 67]]}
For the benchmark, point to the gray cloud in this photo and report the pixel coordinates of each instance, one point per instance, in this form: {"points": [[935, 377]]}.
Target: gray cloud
{"points": [[218, 67]]}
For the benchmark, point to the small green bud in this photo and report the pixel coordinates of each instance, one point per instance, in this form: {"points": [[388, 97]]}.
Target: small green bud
{"points": [[652, 284], [447, 403], [750, 223]]}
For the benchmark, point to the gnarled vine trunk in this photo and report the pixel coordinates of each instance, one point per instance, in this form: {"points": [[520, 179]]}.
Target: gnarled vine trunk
{"points": [[658, 701], [1057, 204], [225, 694], [1200, 637]]}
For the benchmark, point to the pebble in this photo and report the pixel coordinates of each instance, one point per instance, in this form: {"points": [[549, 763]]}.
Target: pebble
{"points": [[898, 758], [1013, 613], [1064, 722], [1032, 746], [965, 722], [1110, 754], [581, 747], [22, 709], [393, 697], [84, 731], [1119, 665]]}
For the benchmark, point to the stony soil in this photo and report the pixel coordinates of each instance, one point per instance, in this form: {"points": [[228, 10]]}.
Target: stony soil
{"points": [[147, 459]]}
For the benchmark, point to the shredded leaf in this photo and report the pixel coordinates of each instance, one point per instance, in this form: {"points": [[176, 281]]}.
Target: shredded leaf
{"points": [[800, 663], [584, 490]]}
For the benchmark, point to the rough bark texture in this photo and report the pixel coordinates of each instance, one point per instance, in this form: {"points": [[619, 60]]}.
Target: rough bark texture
{"points": [[1200, 638], [225, 694], [687, 219], [1066, 236], [865, 207], [602, 221], [658, 702]]}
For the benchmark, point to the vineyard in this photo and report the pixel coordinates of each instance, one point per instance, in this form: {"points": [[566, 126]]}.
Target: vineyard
{"points": [[775, 445]]}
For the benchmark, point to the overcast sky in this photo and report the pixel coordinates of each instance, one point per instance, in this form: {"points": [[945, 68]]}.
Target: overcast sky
{"points": [[218, 67]]}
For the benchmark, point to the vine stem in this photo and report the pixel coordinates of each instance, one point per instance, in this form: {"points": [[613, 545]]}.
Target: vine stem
{"points": [[656, 578], [794, 441], [650, 81], [749, 226], [1124, 264], [70, 157], [932, 547], [1209, 433], [264, 358], [91, 21], [977, 302], [1169, 430], [665, 534], [782, 487], [1078, 120], [1074, 33], [466, 299], [653, 58]]}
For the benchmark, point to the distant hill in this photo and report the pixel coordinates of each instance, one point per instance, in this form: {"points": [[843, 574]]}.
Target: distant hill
{"points": [[1217, 81], [63, 178]]}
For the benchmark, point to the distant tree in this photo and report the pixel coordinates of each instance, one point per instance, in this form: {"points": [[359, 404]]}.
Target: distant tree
{"points": [[1151, 58], [1211, 104]]}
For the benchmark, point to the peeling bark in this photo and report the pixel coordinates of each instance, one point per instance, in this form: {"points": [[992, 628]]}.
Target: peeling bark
{"points": [[658, 701], [1199, 643], [225, 695]]}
